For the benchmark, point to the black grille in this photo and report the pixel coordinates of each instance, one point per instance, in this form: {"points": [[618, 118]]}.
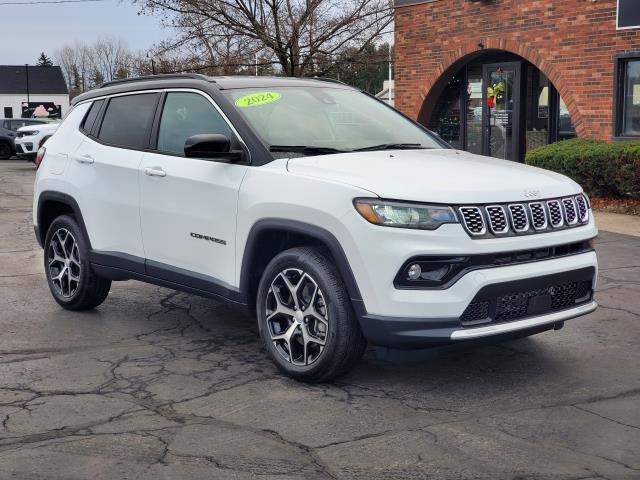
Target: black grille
{"points": [[497, 219], [540, 296], [19, 148], [473, 220], [569, 211], [525, 218], [538, 215], [519, 219], [476, 312], [583, 210], [555, 213]]}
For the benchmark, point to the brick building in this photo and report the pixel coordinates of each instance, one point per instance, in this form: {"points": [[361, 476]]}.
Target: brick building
{"points": [[499, 77]]}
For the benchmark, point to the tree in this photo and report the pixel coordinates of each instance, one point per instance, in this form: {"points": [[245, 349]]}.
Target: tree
{"points": [[97, 78], [44, 61], [87, 66], [75, 87], [294, 35]]}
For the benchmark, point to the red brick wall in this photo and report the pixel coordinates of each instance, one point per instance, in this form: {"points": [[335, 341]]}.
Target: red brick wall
{"points": [[572, 41]]}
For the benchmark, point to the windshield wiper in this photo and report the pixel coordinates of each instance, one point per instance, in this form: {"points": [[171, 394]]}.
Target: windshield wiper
{"points": [[304, 149], [390, 146]]}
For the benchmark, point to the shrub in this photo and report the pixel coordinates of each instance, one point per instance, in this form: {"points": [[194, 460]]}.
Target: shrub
{"points": [[601, 168]]}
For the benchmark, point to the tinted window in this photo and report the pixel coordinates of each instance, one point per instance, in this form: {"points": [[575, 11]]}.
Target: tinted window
{"points": [[91, 116], [128, 119], [184, 115]]}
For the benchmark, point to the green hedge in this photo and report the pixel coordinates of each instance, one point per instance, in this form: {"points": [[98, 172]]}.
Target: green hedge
{"points": [[601, 168]]}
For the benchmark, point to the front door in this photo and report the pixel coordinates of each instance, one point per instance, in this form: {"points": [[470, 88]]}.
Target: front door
{"points": [[501, 110], [188, 206]]}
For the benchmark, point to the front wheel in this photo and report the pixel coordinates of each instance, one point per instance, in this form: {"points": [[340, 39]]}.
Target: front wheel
{"points": [[305, 317], [5, 151], [72, 281]]}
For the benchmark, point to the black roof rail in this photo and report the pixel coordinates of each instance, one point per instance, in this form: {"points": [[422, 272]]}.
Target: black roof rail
{"points": [[330, 80], [162, 76]]}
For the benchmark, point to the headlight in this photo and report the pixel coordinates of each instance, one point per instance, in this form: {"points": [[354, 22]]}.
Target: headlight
{"points": [[404, 215], [30, 133]]}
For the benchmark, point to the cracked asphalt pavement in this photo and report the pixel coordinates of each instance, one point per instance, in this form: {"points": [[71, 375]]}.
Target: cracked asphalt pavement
{"points": [[156, 384]]}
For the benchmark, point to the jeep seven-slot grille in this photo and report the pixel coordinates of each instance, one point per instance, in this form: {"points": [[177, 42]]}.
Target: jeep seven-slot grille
{"points": [[524, 218]]}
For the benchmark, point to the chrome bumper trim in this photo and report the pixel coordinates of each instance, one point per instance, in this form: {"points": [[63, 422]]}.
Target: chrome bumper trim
{"points": [[499, 328]]}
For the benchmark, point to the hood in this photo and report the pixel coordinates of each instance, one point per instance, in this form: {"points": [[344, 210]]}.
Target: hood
{"points": [[438, 176], [47, 127]]}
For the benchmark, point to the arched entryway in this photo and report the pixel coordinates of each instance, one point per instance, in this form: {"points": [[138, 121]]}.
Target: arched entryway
{"points": [[496, 103]]}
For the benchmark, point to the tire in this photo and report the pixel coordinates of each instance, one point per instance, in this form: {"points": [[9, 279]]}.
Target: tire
{"points": [[72, 282], [5, 151], [319, 316]]}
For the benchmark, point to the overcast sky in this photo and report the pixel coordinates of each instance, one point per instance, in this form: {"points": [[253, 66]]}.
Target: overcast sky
{"points": [[28, 30]]}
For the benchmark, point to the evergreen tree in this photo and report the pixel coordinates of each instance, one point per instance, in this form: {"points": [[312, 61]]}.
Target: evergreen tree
{"points": [[97, 78], [76, 82], [44, 61]]}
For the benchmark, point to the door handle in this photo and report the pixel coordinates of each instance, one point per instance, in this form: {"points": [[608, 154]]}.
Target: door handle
{"points": [[155, 172], [86, 158]]}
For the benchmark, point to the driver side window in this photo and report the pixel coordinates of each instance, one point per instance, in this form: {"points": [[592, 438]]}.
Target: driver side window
{"points": [[185, 114]]}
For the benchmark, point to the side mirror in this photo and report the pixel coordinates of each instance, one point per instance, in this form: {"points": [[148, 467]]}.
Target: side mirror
{"points": [[211, 145]]}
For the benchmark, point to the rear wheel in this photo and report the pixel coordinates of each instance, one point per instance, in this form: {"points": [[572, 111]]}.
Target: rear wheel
{"points": [[73, 284], [5, 151], [305, 317]]}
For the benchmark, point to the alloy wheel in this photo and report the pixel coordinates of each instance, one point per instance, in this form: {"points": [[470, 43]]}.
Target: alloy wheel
{"points": [[64, 263], [297, 317]]}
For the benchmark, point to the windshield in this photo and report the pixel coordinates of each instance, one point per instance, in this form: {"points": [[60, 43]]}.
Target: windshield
{"points": [[316, 120]]}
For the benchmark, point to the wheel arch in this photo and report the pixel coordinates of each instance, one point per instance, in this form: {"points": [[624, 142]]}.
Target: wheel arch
{"points": [[52, 204], [270, 236]]}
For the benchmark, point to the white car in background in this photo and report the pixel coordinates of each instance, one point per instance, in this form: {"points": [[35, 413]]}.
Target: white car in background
{"points": [[30, 138]]}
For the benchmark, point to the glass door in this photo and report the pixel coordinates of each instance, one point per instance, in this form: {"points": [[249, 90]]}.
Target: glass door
{"points": [[501, 110]]}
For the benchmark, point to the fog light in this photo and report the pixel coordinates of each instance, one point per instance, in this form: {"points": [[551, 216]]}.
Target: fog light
{"points": [[414, 272]]}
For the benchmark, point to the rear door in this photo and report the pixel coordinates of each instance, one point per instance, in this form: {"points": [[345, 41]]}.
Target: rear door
{"points": [[189, 205], [105, 170]]}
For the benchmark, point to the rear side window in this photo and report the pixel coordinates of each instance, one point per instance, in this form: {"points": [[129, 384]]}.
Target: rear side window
{"points": [[127, 121], [186, 114], [90, 117]]}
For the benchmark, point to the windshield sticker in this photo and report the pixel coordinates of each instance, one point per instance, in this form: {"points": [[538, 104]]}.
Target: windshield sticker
{"points": [[257, 99]]}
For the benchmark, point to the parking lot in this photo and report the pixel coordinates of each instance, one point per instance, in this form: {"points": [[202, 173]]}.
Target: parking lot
{"points": [[160, 384]]}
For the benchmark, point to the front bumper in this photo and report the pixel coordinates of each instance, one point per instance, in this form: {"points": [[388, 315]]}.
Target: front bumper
{"points": [[533, 304], [24, 149]]}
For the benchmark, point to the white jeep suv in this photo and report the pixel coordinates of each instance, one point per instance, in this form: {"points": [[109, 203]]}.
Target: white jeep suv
{"points": [[30, 139], [334, 218]]}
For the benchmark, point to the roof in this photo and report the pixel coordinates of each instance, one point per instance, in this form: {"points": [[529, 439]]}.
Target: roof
{"points": [[42, 80], [192, 79]]}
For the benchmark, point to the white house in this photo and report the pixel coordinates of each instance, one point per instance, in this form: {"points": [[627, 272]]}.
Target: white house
{"points": [[386, 92], [28, 91]]}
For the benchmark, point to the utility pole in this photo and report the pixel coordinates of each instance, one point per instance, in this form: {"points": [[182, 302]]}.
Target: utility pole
{"points": [[153, 65], [26, 70]]}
